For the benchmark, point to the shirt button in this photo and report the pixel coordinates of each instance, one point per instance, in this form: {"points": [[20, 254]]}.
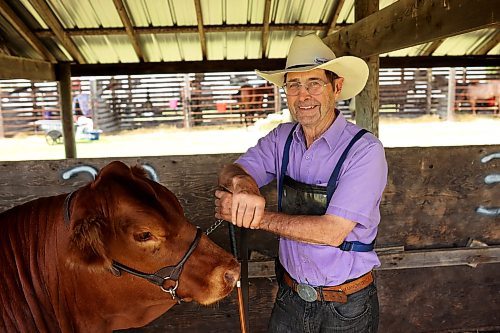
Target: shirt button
{"points": [[308, 157]]}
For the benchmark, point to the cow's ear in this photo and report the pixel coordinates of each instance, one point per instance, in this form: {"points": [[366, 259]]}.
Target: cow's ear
{"points": [[86, 243]]}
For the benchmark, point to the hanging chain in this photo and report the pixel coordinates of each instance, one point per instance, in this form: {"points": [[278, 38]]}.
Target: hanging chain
{"points": [[213, 227]]}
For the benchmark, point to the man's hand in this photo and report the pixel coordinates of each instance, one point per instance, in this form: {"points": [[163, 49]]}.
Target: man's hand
{"points": [[242, 209]]}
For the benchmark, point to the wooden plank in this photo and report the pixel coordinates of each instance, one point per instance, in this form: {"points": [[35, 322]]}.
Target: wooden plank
{"points": [[429, 50], [489, 45], [23, 68], [43, 9], [64, 74], [407, 23], [367, 102], [334, 16], [25, 32], [106, 31], [201, 29], [122, 12], [268, 64], [265, 27], [393, 259], [430, 200], [441, 299]]}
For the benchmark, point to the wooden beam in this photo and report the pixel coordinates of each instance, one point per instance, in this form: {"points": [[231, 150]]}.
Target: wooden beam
{"points": [[407, 259], [267, 64], [120, 7], [43, 9], [407, 23], [489, 45], [429, 50], [265, 27], [201, 30], [64, 78], [25, 32], [24, 68], [367, 102], [187, 29], [332, 23]]}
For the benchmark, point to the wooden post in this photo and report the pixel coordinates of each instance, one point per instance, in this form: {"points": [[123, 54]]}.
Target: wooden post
{"points": [[429, 91], [64, 78], [186, 103], [451, 95], [277, 100], [94, 103], [367, 102], [2, 133]]}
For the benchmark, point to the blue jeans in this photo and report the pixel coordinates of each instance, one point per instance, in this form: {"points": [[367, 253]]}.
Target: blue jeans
{"points": [[292, 314]]}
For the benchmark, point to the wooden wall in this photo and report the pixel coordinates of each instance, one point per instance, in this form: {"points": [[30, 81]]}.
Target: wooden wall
{"points": [[431, 279]]}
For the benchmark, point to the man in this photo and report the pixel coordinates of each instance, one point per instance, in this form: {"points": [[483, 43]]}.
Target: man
{"points": [[331, 175]]}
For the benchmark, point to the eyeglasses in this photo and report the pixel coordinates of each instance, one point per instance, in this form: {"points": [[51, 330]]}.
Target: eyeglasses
{"points": [[313, 87]]}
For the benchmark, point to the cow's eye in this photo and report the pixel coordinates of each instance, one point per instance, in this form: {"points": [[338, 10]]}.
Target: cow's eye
{"points": [[143, 236]]}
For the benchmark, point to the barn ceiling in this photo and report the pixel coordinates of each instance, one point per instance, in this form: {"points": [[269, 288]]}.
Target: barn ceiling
{"points": [[204, 31]]}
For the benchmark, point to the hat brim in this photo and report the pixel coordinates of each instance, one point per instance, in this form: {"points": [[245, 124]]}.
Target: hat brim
{"points": [[353, 69]]}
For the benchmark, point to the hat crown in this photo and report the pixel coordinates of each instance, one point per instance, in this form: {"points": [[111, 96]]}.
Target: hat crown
{"points": [[308, 50]]}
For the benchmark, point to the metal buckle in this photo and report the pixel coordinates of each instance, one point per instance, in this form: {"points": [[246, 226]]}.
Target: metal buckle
{"points": [[307, 293]]}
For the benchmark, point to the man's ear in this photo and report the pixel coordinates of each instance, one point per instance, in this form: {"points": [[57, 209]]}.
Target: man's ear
{"points": [[339, 83]]}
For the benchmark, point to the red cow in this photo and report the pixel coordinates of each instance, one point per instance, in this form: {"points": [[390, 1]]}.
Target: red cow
{"points": [[114, 254]]}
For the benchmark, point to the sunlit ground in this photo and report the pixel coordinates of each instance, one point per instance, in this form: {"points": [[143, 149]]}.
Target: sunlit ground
{"points": [[394, 132]]}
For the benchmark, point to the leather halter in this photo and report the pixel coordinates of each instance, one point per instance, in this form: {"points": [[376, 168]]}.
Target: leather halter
{"points": [[166, 273], [158, 278]]}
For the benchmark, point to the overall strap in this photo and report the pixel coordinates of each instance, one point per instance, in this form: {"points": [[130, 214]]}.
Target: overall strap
{"points": [[284, 165], [332, 182], [332, 186]]}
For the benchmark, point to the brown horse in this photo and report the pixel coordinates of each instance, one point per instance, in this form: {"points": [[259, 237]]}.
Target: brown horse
{"points": [[255, 102]]}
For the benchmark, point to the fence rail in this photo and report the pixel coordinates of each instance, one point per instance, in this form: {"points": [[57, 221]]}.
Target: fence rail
{"points": [[229, 99]]}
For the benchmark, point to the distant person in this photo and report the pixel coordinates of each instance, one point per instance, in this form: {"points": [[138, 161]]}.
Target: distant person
{"points": [[330, 175]]}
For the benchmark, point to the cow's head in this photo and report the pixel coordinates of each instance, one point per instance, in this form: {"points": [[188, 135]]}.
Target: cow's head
{"points": [[124, 216]]}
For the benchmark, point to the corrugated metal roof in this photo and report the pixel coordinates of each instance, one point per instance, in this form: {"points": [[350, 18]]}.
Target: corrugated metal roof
{"points": [[185, 46]]}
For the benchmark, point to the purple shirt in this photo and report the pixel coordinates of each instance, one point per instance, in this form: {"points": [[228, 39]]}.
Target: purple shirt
{"points": [[362, 180]]}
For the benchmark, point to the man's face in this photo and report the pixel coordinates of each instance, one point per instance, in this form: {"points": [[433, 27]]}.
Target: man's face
{"points": [[312, 110]]}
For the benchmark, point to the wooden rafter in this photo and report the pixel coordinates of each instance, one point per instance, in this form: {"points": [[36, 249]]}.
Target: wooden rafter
{"points": [[265, 27], [25, 32], [43, 9], [418, 22], [489, 45], [127, 23], [332, 23], [429, 50], [201, 29], [187, 29], [23, 68], [269, 64]]}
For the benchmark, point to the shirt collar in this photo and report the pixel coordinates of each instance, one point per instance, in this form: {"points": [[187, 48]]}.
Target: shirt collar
{"points": [[332, 134]]}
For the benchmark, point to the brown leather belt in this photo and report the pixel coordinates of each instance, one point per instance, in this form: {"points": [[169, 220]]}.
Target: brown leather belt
{"points": [[331, 293]]}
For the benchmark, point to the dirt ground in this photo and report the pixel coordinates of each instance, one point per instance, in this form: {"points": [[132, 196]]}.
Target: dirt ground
{"points": [[394, 132]]}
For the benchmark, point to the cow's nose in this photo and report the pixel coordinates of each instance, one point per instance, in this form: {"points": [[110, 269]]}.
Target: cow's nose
{"points": [[232, 275]]}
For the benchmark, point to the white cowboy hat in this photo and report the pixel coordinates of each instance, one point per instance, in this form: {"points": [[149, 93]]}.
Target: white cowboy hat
{"points": [[309, 52]]}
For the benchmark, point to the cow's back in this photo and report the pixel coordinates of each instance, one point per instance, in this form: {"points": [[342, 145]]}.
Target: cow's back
{"points": [[27, 258]]}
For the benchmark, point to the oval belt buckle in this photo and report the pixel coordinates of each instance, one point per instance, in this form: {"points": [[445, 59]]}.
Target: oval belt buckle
{"points": [[307, 293]]}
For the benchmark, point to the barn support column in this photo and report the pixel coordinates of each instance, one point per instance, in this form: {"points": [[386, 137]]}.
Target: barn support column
{"points": [[64, 78], [367, 102], [451, 95]]}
